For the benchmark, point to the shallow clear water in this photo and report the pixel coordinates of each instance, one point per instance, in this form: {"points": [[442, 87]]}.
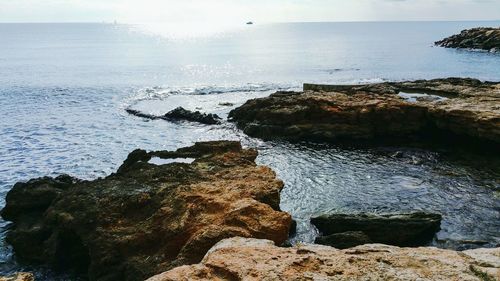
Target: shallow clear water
{"points": [[64, 88]]}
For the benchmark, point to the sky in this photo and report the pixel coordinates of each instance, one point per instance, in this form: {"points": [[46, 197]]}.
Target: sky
{"points": [[167, 11]]}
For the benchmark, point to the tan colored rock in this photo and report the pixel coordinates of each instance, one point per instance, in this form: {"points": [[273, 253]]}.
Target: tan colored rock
{"points": [[473, 116], [147, 218], [251, 259], [20, 276], [467, 110], [329, 116]]}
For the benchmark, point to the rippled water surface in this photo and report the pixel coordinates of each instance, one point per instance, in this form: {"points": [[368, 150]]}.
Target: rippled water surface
{"points": [[64, 89]]}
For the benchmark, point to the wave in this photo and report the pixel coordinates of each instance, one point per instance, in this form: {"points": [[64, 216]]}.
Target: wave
{"points": [[162, 93]]}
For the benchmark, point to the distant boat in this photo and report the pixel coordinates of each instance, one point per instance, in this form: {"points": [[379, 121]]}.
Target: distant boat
{"points": [[249, 23]]}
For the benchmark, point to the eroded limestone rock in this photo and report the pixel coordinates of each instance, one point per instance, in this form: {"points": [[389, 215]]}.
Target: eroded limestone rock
{"points": [[146, 218], [376, 112], [251, 259]]}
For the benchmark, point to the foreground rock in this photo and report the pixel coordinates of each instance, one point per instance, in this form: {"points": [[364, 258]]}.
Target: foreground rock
{"points": [[450, 109], [481, 38], [345, 231], [180, 114], [251, 259], [146, 218], [21, 276]]}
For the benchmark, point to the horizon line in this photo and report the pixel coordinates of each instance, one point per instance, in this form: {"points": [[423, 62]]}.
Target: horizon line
{"points": [[255, 22]]}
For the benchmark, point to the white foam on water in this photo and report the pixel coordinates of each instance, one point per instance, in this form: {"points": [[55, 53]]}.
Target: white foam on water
{"points": [[161, 161], [415, 97]]}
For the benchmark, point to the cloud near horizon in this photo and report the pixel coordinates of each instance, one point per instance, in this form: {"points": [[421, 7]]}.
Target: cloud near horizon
{"points": [[136, 11]]}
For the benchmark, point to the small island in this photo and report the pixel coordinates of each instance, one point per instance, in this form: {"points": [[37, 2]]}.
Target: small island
{"points": [[481, 38]]}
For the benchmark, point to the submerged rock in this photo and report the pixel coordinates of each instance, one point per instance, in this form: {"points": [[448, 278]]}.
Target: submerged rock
{"points": [[375, 112], [226, 104], [481, 38], [146, 218], [345, 230], [251, 259], [344, 240], [180, 114]]}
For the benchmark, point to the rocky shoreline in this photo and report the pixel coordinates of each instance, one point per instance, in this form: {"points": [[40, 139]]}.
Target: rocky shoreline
{"points": [[451, 109], [481, 38], [251, 259], [209, 212]]}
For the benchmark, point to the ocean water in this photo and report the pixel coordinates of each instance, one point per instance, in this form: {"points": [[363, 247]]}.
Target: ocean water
{"points": [[64, 89]]}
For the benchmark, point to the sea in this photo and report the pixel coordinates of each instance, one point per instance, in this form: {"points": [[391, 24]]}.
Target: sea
{"points": [[64, 89]]}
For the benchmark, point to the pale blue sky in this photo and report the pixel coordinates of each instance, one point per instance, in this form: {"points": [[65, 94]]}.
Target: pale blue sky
{"points": [[137, 11]]}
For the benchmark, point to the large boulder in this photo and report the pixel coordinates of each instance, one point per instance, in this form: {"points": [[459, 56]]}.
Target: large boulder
{"points": [[453, 109], [348, 230], [481, 38], [251, 259], [147, 218]]}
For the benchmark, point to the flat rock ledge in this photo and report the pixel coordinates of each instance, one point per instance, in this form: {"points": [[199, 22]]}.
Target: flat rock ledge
{"points": [[481, 38], [252, 259], [146, 218], [344, 231], [453, 109]]}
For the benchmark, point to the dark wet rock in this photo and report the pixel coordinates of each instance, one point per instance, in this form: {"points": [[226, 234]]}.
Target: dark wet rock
{"points": [[226, 104], [348, 230], [481, 38], [142, 114], [344, 240], [35, 196], [146, 218], [375, 112], [181, 114]]}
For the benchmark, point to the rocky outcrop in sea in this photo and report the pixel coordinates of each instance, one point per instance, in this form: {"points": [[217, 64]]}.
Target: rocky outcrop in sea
{"points": [[252, 259], [146, 218], [481, 38], [451, 109], [348, 230], [180, 114]]}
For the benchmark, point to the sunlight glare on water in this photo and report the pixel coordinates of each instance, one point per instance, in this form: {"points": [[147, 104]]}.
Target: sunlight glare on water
{"points": [[188, 30]]}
